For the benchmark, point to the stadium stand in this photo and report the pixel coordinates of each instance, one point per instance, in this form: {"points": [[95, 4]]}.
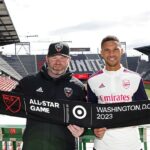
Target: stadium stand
{"points": [[81, 63], [40, 59], [99, 60], [5, 67], [15, 64], [30, 64], [25, 60], [144, 66], [124, 60], [144, 69], [6, 83], [22, 65], [133, 62]]}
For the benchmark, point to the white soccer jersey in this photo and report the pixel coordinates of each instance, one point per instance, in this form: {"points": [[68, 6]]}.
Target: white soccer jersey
{"points": [[122, 85]]}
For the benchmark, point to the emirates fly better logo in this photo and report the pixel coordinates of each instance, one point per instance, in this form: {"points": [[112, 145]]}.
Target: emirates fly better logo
{"points": [[79, 112]]}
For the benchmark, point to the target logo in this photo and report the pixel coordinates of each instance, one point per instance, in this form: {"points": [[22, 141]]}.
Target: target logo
{"points": [[79, 112]]}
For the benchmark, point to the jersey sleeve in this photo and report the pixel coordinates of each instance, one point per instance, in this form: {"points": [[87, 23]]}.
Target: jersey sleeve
{"points": [[91, 95], [19, 87], [140, 94]]}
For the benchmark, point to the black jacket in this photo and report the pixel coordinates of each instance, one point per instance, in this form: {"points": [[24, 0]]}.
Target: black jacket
{"points": [[40, 135]]}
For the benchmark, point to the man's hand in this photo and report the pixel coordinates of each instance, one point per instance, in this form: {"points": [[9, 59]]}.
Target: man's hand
{"points": [[75, 130], [99, 132]]}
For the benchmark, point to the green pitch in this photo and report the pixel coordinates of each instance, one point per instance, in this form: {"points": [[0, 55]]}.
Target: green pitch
{"points": [[147, 88]]}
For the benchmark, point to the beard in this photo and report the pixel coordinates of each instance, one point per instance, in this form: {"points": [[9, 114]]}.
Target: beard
{"points": [[55, 71]]}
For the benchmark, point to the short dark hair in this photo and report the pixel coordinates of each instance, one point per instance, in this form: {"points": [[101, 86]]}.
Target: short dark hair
{"points": [[109, 38]]}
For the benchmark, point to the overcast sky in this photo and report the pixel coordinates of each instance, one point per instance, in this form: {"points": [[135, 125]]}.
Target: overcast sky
{"points": [[83, 22]]}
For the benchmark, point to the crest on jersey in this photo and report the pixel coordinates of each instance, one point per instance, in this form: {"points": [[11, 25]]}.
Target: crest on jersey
{"points": [[59, 47], [68, 91], [126, 83]]}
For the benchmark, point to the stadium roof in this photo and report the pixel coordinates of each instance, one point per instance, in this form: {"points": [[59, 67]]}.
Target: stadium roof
{"points": [[8, 34], [144, 49]]}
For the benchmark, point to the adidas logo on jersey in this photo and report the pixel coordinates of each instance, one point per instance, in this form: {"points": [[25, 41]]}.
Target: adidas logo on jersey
{"points": [[101, 85], [40, 90]]}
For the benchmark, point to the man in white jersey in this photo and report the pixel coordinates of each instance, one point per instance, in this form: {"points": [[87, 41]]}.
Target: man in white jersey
{"points": [[115, 84]]}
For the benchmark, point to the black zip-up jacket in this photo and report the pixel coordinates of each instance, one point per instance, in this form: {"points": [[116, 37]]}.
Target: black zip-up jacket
{"points": [[41, 135]]}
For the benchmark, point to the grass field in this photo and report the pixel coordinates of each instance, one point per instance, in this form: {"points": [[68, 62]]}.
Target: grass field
{"points": [[147, 88]]}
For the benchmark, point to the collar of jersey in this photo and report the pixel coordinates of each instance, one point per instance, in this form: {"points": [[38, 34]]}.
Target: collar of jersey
{"points": [[114, 72]]}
